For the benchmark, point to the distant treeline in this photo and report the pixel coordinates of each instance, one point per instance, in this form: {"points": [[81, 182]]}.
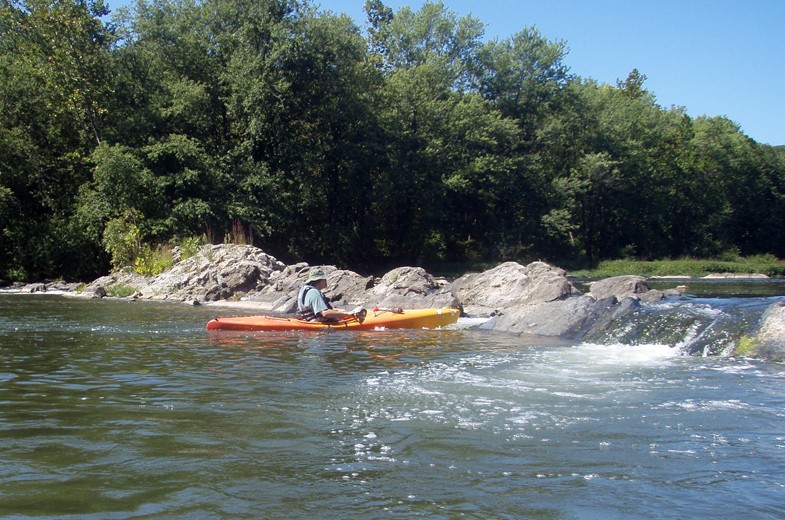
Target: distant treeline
{"points": [[413, 139]]}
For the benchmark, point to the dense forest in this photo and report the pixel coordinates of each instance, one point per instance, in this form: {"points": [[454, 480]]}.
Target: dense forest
{"points": [[411, 139]]}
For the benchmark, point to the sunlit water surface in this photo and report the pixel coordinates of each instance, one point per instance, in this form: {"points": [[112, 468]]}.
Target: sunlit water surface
{"points": [[133, 410]]}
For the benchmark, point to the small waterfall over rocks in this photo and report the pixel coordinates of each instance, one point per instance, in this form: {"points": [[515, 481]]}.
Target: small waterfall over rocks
{"points": [[695, 326]]}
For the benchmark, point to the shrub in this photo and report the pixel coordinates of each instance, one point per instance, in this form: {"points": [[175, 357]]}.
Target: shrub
{"points": [[121, 290], [151, 262], [190, 246], [121, 240]]}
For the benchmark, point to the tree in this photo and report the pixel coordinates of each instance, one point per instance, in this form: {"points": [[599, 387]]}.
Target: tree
{"points": [[302, 98], [523, 76], [56, 82]]}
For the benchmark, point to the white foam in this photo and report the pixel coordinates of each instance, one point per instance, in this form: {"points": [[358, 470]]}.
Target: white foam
{"points": [[468, 323], [622, 355]]}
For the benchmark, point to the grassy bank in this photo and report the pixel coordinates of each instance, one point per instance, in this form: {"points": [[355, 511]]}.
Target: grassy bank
{"points": [[763, 264]]}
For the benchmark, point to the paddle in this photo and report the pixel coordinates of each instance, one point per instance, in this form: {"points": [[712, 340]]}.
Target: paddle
{"points": [[397, 310]]}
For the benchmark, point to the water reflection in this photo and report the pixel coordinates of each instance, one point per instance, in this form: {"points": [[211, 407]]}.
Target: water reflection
{"points": [[344, 350]]}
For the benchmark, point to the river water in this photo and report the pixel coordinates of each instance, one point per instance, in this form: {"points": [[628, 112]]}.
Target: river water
{"points": [[114, 409]]}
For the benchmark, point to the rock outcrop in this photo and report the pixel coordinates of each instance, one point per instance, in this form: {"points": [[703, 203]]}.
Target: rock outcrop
{"points": [[628, 286], [411, 287], [215, 273], [511, 285], [769, 341], [572, 318], [535, 299]]}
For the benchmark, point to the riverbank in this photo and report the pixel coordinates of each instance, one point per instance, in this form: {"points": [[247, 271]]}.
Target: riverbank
{"points": [[750, 267], [536, 299]]}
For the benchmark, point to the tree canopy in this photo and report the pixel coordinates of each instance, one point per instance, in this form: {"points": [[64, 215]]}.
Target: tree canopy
{"points": [[413, 139]]}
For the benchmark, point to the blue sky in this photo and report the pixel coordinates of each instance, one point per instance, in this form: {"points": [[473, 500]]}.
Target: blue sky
{"points": [[713, 57]]}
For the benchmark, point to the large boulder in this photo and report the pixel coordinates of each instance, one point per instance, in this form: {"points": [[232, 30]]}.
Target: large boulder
{"points": [[572, 318], [216, 272], [511, 285], [618, 286], [411, 288]]}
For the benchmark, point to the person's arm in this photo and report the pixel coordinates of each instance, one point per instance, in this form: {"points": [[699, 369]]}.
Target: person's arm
{"points": [[334, 313], [340, 313]]}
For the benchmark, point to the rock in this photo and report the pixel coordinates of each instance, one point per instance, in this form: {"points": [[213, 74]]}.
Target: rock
{"points": [[619, 286], [346, 288], [572, 318], [511, 284], [241, 277], [769, 341], [652, 296], [410, 288], [406, 280], [603, 314], [216, 272]]}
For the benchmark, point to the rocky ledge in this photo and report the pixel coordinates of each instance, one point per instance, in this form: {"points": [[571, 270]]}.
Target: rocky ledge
{"points": [[535, 299]]}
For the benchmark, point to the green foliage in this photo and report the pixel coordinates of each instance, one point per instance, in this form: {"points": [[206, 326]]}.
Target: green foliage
{"points": [[765, 264], [121, 290], [122, 240], [153, 261], [190, 246], [271, 123]]}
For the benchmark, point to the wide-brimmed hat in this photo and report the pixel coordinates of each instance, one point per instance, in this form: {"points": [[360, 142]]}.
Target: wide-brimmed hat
{"points": [[315, 274]]}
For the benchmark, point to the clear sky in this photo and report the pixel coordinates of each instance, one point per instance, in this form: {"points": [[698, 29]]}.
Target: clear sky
{"points": [[713, 57]]}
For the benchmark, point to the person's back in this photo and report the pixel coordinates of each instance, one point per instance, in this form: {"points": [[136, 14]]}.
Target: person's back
{"points": [[312, 304]]}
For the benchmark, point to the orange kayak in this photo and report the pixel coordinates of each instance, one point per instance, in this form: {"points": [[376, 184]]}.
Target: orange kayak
{"points": [[375, 319]]}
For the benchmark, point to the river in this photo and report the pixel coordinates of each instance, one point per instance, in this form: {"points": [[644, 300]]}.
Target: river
{"points": [[115, 409]]}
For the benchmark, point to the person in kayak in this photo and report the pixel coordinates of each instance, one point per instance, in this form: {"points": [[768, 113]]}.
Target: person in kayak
{"points": [[312, 304]]}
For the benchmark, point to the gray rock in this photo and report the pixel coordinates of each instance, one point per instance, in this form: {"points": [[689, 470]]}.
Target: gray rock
{"points": [[511, 284], [410, 287], [652, 296], [572, 318], [603, 315], [534, 299], [769, 341], [619, 286]]}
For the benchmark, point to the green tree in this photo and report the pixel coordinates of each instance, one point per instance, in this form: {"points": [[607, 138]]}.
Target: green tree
{"points": [[56, 82], [524, 77]]}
